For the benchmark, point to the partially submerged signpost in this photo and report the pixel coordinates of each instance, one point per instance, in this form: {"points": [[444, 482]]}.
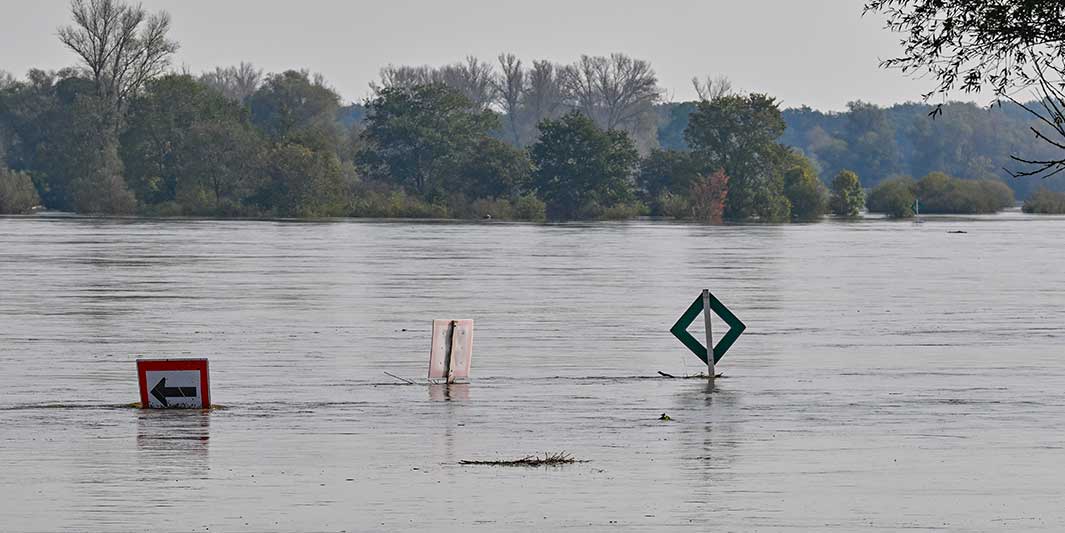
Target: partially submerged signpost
{"points": [[705, 303], [174, 383], [451, 351]]}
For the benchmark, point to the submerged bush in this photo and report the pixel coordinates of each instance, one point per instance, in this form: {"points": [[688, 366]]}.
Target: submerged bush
{"points": [[943, 194], [672, 205], [1044, 202], [17, 193], [893, 197], [383, 203], [939, 193], [394, 204], [529, 207]]}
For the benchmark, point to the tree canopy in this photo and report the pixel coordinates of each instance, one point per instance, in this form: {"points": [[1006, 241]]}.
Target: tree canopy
{"points": [[580, 168]]}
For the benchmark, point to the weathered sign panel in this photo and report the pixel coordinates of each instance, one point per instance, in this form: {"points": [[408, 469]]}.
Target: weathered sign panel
{"points": [[451, 351]]}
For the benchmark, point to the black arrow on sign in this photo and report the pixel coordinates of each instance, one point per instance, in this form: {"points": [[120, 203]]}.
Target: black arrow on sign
{"points": [[162, 392]]}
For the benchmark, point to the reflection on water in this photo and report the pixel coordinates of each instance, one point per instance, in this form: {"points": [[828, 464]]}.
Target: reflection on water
{"points": [[441, 393], [892, 376]]}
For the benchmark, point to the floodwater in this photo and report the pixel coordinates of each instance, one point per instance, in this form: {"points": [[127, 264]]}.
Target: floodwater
{"points": [[892, 376]]}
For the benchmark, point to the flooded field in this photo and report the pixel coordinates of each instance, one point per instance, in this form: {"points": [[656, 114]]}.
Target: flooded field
{"points": [[892, 376]]}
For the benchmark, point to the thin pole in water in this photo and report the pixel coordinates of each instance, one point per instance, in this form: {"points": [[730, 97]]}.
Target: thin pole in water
{"points": [[709, 336]]}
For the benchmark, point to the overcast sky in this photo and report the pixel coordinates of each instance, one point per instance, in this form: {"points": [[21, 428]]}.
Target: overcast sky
{"points": [[820, 53]]}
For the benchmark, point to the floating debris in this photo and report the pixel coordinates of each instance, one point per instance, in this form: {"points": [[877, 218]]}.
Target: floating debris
{"points": [[701, 375], [665, 417], [549, 459]]}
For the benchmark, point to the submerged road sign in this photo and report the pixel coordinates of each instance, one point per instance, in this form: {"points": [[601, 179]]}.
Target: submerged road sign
{"points": [[174, 383], [680, 329], [451, 351]]}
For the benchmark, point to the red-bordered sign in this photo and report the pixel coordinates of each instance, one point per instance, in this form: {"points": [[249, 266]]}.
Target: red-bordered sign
{"points": [[174, 383]]}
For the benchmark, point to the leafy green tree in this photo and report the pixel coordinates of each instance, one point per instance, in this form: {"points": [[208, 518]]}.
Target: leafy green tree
{"points": [[293, 107], [738, 134], [67, 144], [420, 137], [893, 197], [847, 194], [304, 182], [671, 171], [803, 188], [581, 168], [496, 170], [185, 139]]}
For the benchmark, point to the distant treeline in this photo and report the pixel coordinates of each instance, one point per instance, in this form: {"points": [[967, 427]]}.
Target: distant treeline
{"points": [[965, 140], [121, 133]]}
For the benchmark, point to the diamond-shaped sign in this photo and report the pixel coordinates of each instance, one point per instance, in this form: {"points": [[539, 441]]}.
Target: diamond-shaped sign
{"points": [[680, 329]]}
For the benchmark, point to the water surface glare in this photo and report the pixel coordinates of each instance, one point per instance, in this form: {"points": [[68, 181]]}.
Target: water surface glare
{"points": [[893, 376]]}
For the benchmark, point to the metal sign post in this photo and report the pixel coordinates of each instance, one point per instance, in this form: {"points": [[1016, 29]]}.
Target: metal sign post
{"points": [[710, 373]]}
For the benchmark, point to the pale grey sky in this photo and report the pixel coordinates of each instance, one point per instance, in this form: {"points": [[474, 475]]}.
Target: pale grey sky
{"points": [[820, 53]]}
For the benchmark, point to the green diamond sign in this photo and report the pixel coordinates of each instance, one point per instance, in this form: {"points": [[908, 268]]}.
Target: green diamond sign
{"points": [[680, 329]]}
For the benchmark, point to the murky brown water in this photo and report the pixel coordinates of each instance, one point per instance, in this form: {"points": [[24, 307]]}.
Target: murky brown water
{"points": [[893, 376]]}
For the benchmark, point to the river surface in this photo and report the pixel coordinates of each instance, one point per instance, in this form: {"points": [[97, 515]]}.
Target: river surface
{"points": [[892, 376]]}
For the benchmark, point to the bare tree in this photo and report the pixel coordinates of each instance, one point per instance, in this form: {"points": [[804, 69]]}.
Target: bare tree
{"points": [[402, 76], [511, 88], [235, 83], [709, 89], [120, 46], [613, 90], [474, 78], [543, 96]]}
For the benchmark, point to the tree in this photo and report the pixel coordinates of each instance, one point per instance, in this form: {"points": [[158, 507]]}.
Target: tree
{"points": [[120, 46], [871, 147], [803, 188], [511, 87], [185, 139], [17, 193], [847, 195], [708, 194], [1005, 45], [617, 92], [495, 170], [303, 182], [235, 83], [474, 79], [668, 171], [66, 143], [738, 134], [543, 97], [294, 107], [581, 168], [420, 137], [710, 88], [893, 197]]}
